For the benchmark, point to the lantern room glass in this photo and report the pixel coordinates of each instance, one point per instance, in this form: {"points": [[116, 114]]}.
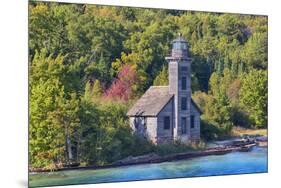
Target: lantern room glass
{"points": [[180, 45]]}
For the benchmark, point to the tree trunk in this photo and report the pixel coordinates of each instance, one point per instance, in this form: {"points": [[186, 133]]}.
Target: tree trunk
{"points": [[68, 150]]}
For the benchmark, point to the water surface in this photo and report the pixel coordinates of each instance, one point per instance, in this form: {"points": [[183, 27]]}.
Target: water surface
{"points": [[232, 163]]}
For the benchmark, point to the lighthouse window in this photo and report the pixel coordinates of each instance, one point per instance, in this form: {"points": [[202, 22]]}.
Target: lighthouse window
{"points": [[184, 69], [192, 121], [167, 122], [180, 46], [183, 46], [176, 45], [183, 125], [183, 83], [183, 103]]}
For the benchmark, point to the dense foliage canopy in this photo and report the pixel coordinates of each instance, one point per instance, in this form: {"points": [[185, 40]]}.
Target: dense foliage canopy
{"points": [[89, 63]]}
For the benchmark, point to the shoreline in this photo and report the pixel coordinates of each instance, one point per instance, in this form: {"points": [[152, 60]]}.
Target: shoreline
{"points": [[241, 146]]}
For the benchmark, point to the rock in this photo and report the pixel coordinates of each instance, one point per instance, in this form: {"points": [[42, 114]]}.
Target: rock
{"points": [[262, 139]]}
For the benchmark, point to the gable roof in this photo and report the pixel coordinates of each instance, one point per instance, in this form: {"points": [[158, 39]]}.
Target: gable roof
{"points": [[152, 102], [196, 106]]}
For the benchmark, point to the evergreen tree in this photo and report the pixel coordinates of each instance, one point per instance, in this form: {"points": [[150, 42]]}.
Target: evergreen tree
{"points": [[162, 78], [88, 91], [255, 51], [234, 69], [241, 69], [97, 89]]}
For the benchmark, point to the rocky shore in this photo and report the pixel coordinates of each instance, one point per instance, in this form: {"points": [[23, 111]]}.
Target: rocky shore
{"points": [[223, 147]]}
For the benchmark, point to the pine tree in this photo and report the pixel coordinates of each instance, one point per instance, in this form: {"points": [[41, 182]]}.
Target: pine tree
{"points": [[241, 69], [220, 67], [162, 78], [234, 69], [97, 89], [88, 91], [227, 63]]}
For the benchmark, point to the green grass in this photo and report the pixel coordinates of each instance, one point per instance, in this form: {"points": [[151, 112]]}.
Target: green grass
{"points": [[167, 149]]}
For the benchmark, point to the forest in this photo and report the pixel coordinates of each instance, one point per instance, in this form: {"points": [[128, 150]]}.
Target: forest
{"points": [[89, 63]]}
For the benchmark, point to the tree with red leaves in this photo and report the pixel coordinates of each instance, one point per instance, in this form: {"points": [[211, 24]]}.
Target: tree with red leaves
{"points": [[122, 87]]}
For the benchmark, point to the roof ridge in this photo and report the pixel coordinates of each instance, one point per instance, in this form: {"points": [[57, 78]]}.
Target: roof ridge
{"points": [[159, 86], [151, 102]]}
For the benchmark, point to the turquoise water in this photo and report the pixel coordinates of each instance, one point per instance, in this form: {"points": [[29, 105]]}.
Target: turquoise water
{"points": [[232, 163]]}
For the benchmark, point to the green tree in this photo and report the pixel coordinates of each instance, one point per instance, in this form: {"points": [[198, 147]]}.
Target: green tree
{"points": [[53, 113], [47, 93], [214, 84], [162, 78], [88, 142], [66, 117], [46, 139], [88, 91], [253, 96], [97, 89], [255, 51]]}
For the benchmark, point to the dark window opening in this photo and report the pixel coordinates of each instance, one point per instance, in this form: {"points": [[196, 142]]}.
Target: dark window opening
{"points": [[183, 83], [192, 121], [183, 103], [183, 125], [136, 123], [184, 69], [144, 122], [167, 122]]}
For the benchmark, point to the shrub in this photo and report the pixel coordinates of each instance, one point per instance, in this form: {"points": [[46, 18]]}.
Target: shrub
{"points": [[209, 131]]}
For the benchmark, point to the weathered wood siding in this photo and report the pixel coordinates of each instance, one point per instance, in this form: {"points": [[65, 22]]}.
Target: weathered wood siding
{"points": [[173, 89], [184, 71], [165, 135], [138, 124], [152, 129], [147, 127], [195, 132]]}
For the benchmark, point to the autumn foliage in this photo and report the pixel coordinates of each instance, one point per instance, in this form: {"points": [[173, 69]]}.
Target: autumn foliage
{"points": [[122, 86]]}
